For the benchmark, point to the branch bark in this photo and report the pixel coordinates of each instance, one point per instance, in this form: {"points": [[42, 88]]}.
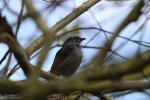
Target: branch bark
{"points": [[68, 86], [18, 51]]}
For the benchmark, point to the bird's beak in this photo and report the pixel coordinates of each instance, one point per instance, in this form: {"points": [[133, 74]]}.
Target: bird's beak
{"points": [[83, 39]]}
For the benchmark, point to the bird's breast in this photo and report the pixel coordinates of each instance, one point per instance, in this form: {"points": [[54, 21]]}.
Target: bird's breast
{"points": [[75, 59], [77, 53]]}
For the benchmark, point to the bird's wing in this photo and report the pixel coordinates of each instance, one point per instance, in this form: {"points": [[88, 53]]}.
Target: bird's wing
{"points": [[60, 57]]}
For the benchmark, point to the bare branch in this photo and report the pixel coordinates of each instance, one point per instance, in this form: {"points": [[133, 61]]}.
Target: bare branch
{"points": [[18, 51], [133, 15]]}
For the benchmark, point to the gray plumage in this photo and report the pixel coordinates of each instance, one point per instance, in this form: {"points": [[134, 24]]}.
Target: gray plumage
{"points": [[68, 58]]}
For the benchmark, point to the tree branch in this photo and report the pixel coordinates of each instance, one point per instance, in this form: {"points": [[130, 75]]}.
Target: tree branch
{"points": [[18, 51], [58, 26], [133, 15]]}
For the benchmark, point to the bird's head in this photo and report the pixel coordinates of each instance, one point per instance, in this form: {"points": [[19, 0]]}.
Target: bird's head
{"points": [[74, 40]]}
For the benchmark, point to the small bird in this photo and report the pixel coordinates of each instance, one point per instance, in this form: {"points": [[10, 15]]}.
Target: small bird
{"points": [[68, 58]]}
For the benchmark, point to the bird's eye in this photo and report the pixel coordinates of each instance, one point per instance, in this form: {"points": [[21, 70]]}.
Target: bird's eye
{"points": [[73, 39]]}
